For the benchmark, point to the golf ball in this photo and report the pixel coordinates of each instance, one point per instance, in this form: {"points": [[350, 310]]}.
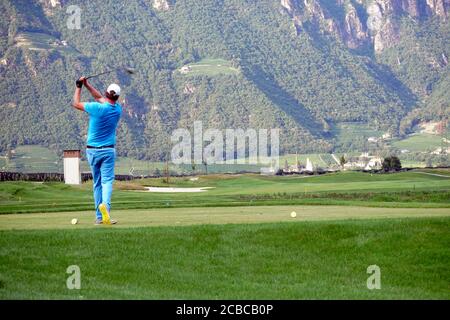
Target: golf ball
{"points": [[74, 221], [293, 214]]}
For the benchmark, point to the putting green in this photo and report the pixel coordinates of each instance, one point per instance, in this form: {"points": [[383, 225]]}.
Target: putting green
{"points": [[212, 215]]}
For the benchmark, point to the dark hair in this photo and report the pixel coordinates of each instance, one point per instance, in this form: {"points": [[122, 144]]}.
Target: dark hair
{"points": [[112, 95]]}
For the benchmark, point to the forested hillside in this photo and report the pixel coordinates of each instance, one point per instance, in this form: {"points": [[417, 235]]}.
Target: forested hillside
{"points": [[302, 66]]}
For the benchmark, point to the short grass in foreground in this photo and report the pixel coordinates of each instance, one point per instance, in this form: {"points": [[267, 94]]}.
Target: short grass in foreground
{"points": [[313, 260]]}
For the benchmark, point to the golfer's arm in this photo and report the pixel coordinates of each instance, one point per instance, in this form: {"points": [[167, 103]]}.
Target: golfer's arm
{"points": [[76, 100], [94, 92]]}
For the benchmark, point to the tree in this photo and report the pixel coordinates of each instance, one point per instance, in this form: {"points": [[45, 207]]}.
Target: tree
{"points": [[205, 163], [328, 97], [391, 163], [443, 160], [166, 172], [342, 161], [193, 166], [279, 172]]}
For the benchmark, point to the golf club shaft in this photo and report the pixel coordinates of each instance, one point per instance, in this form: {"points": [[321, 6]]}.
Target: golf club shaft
{"points": [[129, 70], [100, 74]]}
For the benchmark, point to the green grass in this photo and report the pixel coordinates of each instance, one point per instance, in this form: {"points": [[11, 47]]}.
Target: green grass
{"points": [[144, 168], [41, 42], [308, 260], [33, 158], [346, 132], [323, 160], [419, 142], [235, 241], [406, 189], [444, 171], [207, 215], [37, 159], [211, 67], [412, 164]]}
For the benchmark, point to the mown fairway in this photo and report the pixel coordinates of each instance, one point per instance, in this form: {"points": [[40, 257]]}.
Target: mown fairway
{"points": [[234, 241], [406, 189], [214, 215]]}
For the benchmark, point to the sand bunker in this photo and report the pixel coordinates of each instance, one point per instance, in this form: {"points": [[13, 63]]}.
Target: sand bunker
{"points": [[173, 190]]}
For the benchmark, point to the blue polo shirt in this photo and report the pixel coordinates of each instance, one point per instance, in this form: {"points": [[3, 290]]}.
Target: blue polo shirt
{"points": [[103, 120]]}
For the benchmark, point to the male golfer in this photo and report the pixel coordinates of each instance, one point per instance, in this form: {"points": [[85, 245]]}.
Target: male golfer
{"points": [[104, 115]]}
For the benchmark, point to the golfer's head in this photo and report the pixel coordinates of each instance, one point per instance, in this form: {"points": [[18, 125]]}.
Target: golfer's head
{"points": [[113, 92]]}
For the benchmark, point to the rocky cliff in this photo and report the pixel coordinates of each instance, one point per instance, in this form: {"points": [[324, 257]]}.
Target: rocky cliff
{"points": [[358, 23], [162, 5]]}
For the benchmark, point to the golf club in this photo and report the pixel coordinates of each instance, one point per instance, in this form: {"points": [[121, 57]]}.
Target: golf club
{"points": [[126, 69]]}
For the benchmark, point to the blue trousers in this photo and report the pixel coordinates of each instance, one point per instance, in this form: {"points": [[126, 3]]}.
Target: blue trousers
{"points": [[102, 166]]}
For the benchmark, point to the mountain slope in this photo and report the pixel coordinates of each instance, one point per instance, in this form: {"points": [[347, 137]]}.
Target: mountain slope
{"points": [[302, 66]]}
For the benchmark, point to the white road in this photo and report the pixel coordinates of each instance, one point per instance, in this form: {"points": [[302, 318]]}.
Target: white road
{"points": [[336, 159], [434, 174]]}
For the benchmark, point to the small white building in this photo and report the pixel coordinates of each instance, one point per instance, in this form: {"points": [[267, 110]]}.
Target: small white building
{"points": [[309, 166], [72, 173], [269, 171], [295, 168], [374, 163], [357, 164], [441, 151], [185, 69], [386, 136], [365, 162]]}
